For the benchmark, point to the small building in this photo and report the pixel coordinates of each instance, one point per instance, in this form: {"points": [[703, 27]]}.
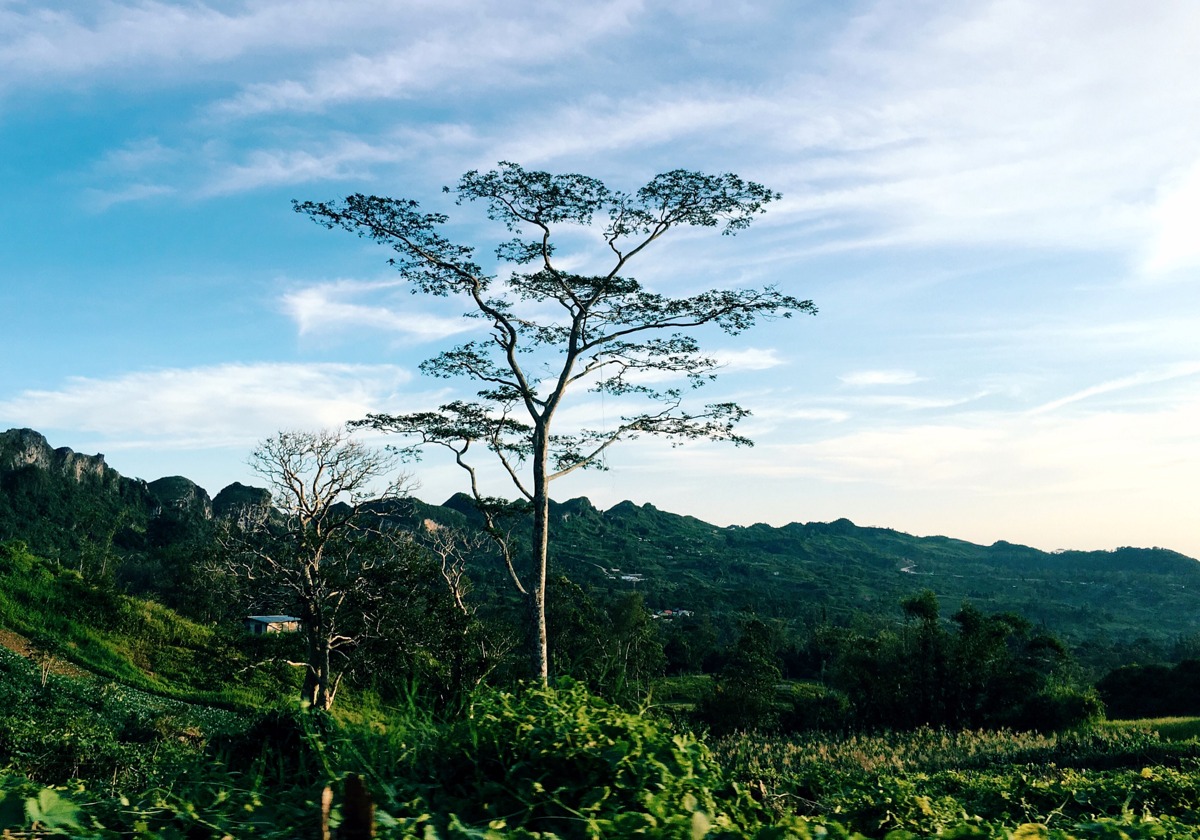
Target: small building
{"points": [[259, 624]]}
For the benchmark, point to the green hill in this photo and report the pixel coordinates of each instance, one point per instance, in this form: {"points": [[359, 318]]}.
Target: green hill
{"points": [[76, 510]]}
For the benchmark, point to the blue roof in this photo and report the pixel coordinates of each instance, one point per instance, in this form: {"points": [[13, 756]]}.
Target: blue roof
{"points": [[271, 619]]}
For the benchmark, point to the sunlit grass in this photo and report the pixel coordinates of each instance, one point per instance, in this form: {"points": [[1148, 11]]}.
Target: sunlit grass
{"points": [[1167, 728]]}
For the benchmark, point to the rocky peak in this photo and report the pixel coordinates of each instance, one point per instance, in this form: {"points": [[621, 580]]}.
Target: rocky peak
{"points": [[24, 447], [179, 493], [237, 497]]}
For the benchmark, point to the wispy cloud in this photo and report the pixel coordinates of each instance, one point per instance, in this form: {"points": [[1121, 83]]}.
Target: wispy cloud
{"points": [[963, 127], [748, 358], [605, 124], [336, 159], [1098, 478], [1150, 377], [1116, 453], [149, 168], [929, 126], [137, 155], [1176, 244], [864, 378], [335, 307], [223, 405], [481, 45], [1137, 454], [93, 43], [942, 126], [100, 200]]}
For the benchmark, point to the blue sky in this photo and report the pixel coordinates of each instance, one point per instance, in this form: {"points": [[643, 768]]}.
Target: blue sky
{"points": [[996, 206]]}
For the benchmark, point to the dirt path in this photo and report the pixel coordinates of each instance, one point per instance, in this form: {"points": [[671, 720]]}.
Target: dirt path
{"points": [[21, 646]]}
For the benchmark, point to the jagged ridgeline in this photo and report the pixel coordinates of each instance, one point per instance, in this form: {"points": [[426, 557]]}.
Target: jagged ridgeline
{"points": [[79, 511]]}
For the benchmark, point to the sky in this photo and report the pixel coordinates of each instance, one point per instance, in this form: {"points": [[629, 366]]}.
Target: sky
{"points": [[994, 205]]}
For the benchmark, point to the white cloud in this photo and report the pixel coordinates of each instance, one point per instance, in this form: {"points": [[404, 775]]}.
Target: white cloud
{"points": [[198, 408], [748, 358], [1087, 479], [862, 378], [1176, 244], [137, 155], [1004, 122], [772, 416], [478, 45], [333, 308], [1172, 372], [604, 124], [96, 41], [1008, 122], [100, 200], [1126, 457], [909, 403], [340, 158]]}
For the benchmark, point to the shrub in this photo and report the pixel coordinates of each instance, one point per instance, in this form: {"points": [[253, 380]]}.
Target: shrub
{"points": [[812, 706], [1058, 709], [561, 760]]}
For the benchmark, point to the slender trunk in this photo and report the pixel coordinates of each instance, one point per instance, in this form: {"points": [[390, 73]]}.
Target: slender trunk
{"points": [[539, 648], [324, 694], [316, 688]]}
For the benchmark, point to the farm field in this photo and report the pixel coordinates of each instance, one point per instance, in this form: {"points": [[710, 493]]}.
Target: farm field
{"points": [[935, 782], [105, 762]]}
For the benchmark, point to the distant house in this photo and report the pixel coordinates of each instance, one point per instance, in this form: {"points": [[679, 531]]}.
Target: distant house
{"points": [[259, 624]]}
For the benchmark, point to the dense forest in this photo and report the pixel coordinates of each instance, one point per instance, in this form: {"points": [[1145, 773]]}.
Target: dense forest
{"points": [[811, 680]]}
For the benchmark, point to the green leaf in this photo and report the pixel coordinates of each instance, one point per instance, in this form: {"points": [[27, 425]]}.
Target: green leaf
{"points": [[49, 810]]}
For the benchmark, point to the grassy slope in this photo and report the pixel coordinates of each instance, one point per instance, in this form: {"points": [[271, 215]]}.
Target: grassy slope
{"points": [[127, 640]]}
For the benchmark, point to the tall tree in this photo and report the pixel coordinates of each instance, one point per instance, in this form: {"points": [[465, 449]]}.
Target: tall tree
{"points": [[319, 546], [551, 329]]}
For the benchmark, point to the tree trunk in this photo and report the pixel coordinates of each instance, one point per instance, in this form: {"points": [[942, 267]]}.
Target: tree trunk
{"points": [[539, 648], [317, 689]]}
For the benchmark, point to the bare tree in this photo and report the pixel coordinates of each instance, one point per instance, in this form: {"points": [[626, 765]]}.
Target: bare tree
{"points": [[450, 549], [551, 330], [318, 547]]}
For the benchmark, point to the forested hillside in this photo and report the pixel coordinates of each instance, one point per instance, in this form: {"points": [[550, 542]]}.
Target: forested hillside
{"points": [[946, 689], [1113, 607]]}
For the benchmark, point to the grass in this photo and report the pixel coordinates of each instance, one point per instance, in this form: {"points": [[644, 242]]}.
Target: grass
{"points": [[1166, 728], [923, 780], [134, 642]]}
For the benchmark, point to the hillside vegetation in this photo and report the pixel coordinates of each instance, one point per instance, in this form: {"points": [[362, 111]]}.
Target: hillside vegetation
{"points": [[810, 681], [1111, 608]]}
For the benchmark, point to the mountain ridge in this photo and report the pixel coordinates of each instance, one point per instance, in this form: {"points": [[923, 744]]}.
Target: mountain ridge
{"points": [[28, 447]]}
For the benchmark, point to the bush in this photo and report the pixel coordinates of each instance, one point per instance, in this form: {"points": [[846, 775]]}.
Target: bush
{"points": [[743, 697], [1058, 709], [561, 760], [812, 706]]}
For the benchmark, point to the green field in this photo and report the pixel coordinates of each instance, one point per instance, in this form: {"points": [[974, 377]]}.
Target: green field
{"points": [[88, 758], [1167, 728]]}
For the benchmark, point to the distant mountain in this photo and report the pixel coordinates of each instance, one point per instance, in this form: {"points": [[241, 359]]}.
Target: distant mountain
{"points": [[62, 502], [817, 571], [806, 574]]}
